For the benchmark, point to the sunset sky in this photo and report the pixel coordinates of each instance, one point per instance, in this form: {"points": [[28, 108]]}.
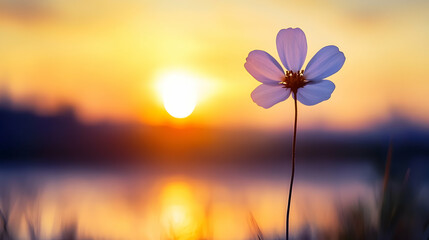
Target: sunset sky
{"points": [[106, 58]]}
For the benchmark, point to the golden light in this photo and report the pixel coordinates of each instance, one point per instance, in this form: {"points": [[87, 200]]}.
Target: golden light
{"points": [[179, 93], [181, 215]]}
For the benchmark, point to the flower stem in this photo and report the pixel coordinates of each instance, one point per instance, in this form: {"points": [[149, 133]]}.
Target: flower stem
{"points": [[293, 167]]}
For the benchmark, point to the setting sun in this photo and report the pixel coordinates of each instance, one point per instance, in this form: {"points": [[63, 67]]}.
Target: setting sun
{"points": [[179, 93]]}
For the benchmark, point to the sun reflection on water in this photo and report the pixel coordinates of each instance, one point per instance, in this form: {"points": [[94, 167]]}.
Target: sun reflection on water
{"points": [[181, 215], [167, 208]]}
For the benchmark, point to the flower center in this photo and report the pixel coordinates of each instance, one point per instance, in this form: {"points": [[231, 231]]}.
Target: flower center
{"points": [[294, 80]]}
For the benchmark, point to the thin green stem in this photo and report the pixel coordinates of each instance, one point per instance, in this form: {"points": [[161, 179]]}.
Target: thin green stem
{"points": [[293, 167]]}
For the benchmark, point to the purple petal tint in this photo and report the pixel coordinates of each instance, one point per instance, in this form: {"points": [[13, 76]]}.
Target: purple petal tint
{"points": [[267, 95], [315, 92], [326, 62], [264, 68], [292, 48]]}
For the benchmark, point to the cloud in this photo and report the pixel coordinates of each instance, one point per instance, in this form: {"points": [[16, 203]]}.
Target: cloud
{"points": [[26, 10]]}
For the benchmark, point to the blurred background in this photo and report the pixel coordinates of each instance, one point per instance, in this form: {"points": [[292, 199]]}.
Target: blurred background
{"points": [[133, 119]]}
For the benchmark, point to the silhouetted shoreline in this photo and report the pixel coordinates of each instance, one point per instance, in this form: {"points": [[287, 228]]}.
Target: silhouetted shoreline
{"points": [[28, 139]]}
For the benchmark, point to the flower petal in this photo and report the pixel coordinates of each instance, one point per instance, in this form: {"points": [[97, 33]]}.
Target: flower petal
{"points": [[292, 48], [326, 62], [264, 68], [267, 95], [315, 92]]}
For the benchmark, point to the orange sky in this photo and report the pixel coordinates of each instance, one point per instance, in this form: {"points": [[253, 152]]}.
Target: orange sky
{"points": [[104, 57]]}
